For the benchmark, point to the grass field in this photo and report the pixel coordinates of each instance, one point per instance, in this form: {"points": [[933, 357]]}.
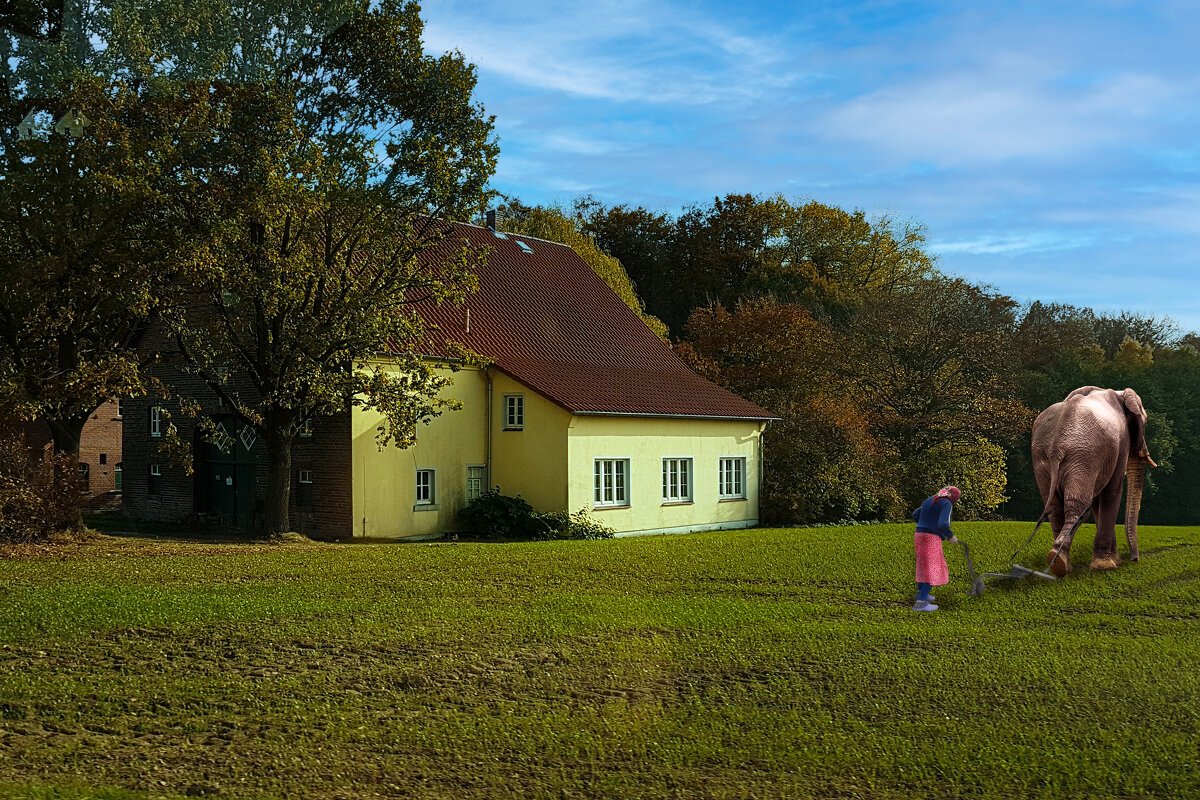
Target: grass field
{"points": [[752, 664]]}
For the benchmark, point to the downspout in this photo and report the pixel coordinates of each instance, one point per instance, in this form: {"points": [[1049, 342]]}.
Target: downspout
{"points": [[487, 373], [762, 436]]}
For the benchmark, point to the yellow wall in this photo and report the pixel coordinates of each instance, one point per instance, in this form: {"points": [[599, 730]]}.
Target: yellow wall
{"points": [[646, 442], [384, 483], [549, 462], [530, 462]]}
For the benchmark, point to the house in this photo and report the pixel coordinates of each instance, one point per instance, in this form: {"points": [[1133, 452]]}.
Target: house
{"points": [[581, 407], [100, 457]]}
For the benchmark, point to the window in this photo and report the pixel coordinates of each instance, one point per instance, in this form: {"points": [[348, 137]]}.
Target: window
{"points": [[475, 482], [611, 482], [514, 412], [117, 477], [155, 421], [85, 476], [120, 408], [306, 429], [731, 479], [103, 459], [425, 487], [677, 480], [304, 489], [154, 484]]}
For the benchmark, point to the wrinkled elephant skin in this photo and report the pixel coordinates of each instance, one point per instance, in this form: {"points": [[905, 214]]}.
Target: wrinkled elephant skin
{"points": [[1083, 450]]}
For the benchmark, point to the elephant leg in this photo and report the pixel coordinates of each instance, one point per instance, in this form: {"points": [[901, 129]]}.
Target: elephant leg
{"points": [[1105, 507], [1071, 515]]}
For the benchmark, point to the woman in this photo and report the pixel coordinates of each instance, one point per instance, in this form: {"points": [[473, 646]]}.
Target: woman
{"points": [[933, 528]]}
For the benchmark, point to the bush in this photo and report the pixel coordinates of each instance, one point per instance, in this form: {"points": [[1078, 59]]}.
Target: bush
{"points": [[39, 496], [561, 525], [495, 516]]}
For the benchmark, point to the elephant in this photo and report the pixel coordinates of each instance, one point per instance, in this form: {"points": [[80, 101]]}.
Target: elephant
{"points": [[1083, 449]]}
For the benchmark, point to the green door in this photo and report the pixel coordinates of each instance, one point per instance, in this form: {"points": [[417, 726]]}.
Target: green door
{"points": [[229, 473]]}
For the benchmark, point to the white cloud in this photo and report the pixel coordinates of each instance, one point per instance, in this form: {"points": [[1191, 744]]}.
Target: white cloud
{"points": [[1010, 110]]}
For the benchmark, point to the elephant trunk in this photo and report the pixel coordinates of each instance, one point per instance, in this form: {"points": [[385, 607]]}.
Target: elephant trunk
{"points": [[1135, 474]]}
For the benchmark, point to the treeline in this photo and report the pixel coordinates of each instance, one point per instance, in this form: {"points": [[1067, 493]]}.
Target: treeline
{"points": [[892, 378]]}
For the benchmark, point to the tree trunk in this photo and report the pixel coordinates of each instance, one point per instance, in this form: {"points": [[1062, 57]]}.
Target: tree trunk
{"points": [[279, 479], [66, 433]]}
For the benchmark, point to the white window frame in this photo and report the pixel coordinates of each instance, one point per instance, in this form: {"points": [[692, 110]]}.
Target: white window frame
{"points": [[305, 476], [678, 480], [306, 428], [430, 490], [483, 481], [156, 422], [154, 481], [514, 422], [731, 484], [607, 490]]}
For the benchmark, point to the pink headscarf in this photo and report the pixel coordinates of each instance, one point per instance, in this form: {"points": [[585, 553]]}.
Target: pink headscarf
{"points": [[951, 493]]}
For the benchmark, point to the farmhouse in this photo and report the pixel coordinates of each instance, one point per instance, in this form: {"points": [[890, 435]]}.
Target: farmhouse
{"points": [[580, 407]]}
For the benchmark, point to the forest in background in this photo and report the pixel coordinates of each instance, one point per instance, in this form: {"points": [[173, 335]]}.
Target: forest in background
{"points": [[892, 377]]}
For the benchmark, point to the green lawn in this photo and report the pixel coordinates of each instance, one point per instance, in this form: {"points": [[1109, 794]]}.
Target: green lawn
{"points": [[764, 663]]}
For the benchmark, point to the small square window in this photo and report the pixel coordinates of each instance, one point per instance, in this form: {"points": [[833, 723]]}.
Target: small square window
{"points": [[103, 458], [425, 487], [514, 412]]}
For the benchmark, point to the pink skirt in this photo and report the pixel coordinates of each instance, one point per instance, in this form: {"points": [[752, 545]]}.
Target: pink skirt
{"points": [[931, 561]]}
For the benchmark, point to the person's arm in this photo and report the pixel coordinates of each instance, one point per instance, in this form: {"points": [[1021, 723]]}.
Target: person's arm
{"points": [[943, 529], [916, 515]]}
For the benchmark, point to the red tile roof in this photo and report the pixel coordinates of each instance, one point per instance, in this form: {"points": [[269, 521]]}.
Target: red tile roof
{"points": [[547, 320]]}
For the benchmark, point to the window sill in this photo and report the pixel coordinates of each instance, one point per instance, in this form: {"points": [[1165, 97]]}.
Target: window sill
{"points": [[678, 503], [609, 508], [512, 429], [427, 507], [732, 500]]}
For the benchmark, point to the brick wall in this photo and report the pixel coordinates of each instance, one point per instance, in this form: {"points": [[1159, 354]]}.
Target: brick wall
{"points": [[181, 497], [100, 450]]}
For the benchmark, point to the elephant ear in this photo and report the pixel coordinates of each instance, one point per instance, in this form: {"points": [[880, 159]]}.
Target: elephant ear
{"points": [[1135, 415]]}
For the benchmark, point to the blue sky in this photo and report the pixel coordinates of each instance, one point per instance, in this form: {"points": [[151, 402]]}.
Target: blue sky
{"points": [[1052, 149]]}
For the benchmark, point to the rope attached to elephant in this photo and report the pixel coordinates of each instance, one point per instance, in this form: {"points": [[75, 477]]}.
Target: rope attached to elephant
{"points": [[1056, 551]]}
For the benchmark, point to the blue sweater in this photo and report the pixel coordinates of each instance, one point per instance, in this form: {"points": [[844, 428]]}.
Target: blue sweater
{"points": [[934, 517]]}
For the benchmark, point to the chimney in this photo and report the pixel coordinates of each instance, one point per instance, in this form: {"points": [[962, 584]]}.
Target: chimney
{"points": [[491, 219]]}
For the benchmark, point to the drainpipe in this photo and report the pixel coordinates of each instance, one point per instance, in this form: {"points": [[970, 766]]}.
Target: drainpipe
{"points": [[487, 373], [762, 437]]}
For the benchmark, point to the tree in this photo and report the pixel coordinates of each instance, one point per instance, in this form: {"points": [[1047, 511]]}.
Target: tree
{"points": [[641, 240], [340, 155], [97, 217], [556, 226], [822, 461], [744, 246], [934, 366]]}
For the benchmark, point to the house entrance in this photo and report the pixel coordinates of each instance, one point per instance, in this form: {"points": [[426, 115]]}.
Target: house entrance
{"points": [[226, 473]]}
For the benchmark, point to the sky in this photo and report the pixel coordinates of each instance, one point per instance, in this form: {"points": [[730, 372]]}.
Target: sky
{"points": [[1051, 149]]}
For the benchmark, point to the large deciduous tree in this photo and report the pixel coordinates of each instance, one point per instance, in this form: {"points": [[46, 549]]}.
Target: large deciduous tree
{"points": [[340, 155], [96, 204]]}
